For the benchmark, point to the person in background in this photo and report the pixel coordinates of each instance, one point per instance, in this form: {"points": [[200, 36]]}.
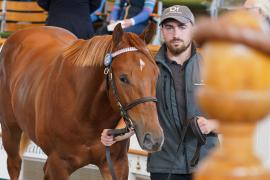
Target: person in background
{"points": [[133, 13], [179, 116], [94, 15], [72, 15]]}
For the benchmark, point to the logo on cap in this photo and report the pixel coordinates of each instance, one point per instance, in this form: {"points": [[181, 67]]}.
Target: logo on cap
{"points": [[175, 9]]}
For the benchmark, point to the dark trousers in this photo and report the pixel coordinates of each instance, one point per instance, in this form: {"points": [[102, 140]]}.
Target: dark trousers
{"points": [[167, 176]]}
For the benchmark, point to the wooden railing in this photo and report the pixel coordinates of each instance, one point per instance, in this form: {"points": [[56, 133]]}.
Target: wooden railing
{"points": [[17, 15], [138, 152]]}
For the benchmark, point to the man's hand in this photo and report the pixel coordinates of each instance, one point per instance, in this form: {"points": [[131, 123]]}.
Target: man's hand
{"points": [[207, 125], [127, 23], [110, 140], [106, 139]]}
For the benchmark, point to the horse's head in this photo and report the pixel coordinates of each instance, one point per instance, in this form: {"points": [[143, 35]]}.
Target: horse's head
{"points": [[134, 77]]}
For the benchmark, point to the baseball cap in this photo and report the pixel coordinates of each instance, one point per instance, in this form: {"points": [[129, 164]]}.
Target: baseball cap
{"points": [[180, 13]]}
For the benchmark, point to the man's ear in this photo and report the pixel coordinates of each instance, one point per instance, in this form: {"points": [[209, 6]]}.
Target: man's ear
{"points": [[149, 32], [117, 35]]}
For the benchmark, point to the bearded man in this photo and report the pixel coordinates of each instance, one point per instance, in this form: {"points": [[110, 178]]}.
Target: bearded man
{"points": [[178, 113]]}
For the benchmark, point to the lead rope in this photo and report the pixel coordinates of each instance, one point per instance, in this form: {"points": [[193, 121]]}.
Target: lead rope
{"points": [[182, 138], [110, 164], [114, 133]]}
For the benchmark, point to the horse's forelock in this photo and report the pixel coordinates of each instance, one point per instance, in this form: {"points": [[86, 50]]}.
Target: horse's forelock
{"points": [[137, 42]]}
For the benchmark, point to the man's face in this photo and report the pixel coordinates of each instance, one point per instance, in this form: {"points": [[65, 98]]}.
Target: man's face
{"points": [[177, 36]]}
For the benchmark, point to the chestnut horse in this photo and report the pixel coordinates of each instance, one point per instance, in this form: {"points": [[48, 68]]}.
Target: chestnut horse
{"points": [[53, 91]]}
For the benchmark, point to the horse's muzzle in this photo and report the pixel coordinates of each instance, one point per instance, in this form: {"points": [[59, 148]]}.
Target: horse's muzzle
{"points": [[151, 143]]}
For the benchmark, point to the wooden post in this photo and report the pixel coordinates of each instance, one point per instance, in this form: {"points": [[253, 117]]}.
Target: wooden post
{"points": [[237, 92]]}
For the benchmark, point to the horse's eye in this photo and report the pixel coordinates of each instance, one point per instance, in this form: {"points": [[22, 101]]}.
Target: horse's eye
{"points": [[124, 79]]}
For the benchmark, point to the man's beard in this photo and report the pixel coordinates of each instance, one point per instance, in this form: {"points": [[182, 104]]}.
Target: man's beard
{"points": [[177, 50]]}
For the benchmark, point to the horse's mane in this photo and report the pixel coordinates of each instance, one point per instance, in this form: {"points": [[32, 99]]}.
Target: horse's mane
{"points": [[88, 52], [92, 52]]}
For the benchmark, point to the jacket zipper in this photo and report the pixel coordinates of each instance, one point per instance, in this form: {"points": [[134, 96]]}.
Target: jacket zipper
{"points": [[164, 90]]}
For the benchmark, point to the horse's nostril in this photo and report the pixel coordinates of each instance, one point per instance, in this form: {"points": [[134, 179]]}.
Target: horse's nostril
{"points": [[156, 146], [151, 144], [147, 141]]}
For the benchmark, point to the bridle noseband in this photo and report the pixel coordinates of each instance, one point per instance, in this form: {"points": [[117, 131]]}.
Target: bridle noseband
{"points": [[123, 109]]}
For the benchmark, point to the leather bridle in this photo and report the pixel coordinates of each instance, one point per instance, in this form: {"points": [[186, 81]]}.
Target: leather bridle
{"points": [[108, 71]]}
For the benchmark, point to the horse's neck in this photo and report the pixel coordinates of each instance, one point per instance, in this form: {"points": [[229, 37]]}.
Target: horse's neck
{"points": [[95, 99]]}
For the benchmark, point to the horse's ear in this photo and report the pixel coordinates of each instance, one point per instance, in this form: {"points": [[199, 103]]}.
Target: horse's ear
{"points": [[149, 32], [117, 34]]}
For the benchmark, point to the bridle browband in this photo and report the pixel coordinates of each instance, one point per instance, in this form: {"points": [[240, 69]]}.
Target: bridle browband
{"points": [[123, 109]]}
